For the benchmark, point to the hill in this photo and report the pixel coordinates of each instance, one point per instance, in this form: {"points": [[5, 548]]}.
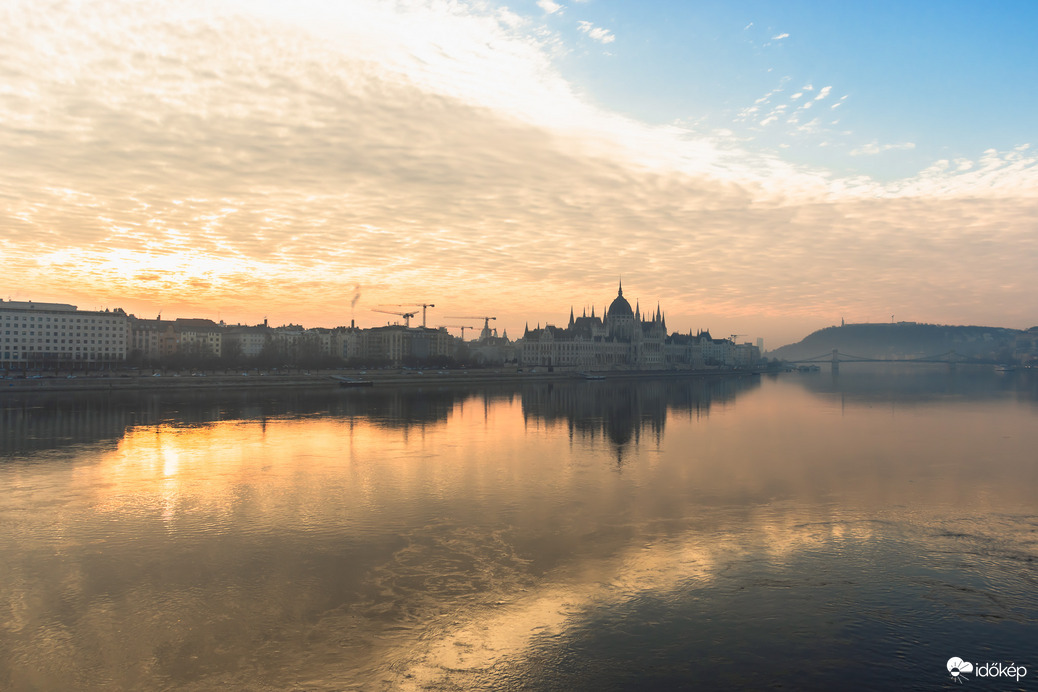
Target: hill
{"points": [[905, 340]]}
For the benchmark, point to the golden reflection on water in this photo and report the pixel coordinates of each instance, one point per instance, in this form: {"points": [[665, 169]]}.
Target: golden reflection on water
{"points": [[498, 631], [338, 550], [773, 448]]}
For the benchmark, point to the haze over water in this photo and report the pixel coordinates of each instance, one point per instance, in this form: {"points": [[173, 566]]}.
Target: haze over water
{"points": [[807, 531]]}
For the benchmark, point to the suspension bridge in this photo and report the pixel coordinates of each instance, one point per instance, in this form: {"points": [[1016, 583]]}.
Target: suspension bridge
{"points": [[836, 359]]}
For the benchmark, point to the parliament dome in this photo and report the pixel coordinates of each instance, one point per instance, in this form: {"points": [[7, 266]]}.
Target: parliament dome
{"points": [[620, 307]]}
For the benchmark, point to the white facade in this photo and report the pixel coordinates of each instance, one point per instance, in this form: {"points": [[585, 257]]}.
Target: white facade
{"points": [[52, 334]]}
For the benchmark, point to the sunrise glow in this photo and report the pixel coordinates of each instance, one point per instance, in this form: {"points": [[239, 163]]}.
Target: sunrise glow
{"points": [[757, 169]]}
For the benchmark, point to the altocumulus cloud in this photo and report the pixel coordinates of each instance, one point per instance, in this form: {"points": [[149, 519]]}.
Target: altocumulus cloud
{"points": [[600, 34], [201, 155]]}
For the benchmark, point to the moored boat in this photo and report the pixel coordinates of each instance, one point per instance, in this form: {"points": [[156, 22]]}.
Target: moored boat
{"points": [[354, 382]]}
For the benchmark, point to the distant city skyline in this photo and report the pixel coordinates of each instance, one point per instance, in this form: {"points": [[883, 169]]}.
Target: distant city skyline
{"points": [[756, 168]]}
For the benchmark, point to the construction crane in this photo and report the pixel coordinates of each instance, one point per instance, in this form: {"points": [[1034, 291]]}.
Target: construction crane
{"points": [[485, 318], [423, 306], [733, 337], [462, 327], [406, 315], [486, 322]]}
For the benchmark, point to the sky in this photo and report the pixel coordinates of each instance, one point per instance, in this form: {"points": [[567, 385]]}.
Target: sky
{"points": [[755, 168]]}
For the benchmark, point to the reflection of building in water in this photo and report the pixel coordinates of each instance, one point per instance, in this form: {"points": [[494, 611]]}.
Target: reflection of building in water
{"points": [[400, 408], [618, 411], [623, 411], [34, 423], [627, 339], [37, 421]]}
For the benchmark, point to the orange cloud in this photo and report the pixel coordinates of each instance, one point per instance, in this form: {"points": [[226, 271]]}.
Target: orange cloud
{"points": [[208, 161]]}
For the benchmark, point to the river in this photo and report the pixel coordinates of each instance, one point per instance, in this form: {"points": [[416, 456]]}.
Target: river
{"points": [[802, 531]]}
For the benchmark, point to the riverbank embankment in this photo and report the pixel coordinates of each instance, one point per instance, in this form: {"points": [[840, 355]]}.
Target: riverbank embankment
{"points": [[321, 379]]}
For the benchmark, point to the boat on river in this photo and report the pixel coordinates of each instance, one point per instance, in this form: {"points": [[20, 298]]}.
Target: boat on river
{"points": [[353, 382]]}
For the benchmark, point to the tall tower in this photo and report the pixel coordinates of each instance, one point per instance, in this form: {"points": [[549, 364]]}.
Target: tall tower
{"points": [[620, 316]]}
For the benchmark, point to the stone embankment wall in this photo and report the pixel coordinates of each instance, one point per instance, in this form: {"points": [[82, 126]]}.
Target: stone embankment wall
{"points": [[322, 379]]}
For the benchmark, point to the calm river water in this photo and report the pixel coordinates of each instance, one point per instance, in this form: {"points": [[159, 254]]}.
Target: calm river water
{"points": [[808, 531]]}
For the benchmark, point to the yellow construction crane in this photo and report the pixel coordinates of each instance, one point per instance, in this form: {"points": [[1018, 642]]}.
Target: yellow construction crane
{"points": [[406, 315]]}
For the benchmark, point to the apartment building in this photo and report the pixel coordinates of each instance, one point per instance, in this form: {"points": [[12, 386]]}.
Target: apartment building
{"points": [[58, 334]]}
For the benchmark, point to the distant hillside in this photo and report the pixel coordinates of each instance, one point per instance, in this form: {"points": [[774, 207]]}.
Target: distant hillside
{"points": [[904, 340]]}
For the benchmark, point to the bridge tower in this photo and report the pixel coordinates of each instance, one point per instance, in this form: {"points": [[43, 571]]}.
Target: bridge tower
{"points": [[836, 360]]}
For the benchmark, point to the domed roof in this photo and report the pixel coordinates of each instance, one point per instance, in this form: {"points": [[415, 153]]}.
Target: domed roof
{"points": [[620, 307]]}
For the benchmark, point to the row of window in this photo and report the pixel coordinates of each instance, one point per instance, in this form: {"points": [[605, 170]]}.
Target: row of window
{"points": [[15, 355], [76, 329], [97, 349], [32, 333], [47, 339], [62, 320]]}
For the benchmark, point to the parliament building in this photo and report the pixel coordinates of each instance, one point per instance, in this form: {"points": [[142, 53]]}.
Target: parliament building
{"points": [[623, 339]]}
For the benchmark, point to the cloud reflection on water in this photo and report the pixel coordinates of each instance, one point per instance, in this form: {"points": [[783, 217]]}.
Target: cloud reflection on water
{"points": [[455, 536]]}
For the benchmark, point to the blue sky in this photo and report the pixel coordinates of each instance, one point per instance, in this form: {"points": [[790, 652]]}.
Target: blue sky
{"points": [[757, 168], [952, 79]]}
